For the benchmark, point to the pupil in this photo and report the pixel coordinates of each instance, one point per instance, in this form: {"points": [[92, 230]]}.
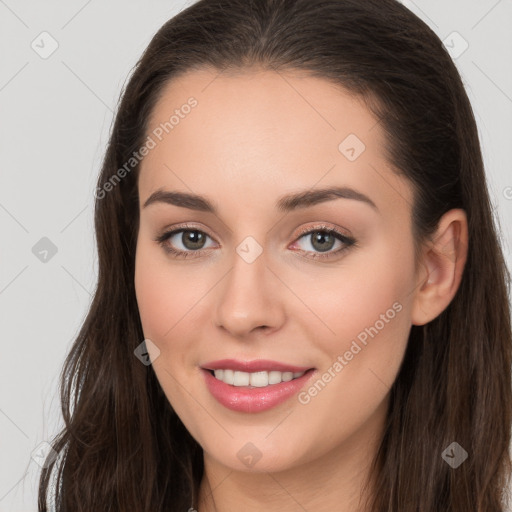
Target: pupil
{"points": [[321, 238], [192, 239]]}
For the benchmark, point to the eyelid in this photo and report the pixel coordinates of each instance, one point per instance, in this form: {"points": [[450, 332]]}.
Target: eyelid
{"points": [[186, 226], [321, 227]]}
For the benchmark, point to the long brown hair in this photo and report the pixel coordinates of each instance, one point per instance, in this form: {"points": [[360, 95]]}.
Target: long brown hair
{"points": [[123, 448]]}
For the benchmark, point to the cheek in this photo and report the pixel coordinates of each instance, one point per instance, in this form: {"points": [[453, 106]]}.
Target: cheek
{"points": [[164, 299], [367, 309], [365, 305], [171, 300], [363, 290], [154, 296], [160, 292]]}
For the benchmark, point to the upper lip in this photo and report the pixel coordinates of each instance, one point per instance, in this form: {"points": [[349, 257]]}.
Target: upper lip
{"points": [[258, 365]]}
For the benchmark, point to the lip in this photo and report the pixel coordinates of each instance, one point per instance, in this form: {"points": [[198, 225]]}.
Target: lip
{"points": [[253, 399], [258, 365]]}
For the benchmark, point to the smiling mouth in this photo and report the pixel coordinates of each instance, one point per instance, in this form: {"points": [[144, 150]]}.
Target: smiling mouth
{"points": [[255, 379]]}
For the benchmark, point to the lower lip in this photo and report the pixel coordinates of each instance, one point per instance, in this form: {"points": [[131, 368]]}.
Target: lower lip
{"points": [[245, 399]]}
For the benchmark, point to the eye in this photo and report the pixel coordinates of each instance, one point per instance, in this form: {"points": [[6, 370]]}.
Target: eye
{"points": [[323, 239], [189, 242]]}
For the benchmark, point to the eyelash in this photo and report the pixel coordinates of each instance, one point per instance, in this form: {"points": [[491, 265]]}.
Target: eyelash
{"points": [[176, 253]]}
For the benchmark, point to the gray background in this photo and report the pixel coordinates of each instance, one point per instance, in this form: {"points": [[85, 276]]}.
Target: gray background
{"points": [[54, 123]]}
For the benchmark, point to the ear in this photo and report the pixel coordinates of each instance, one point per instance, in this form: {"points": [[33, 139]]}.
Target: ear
{"points": [[441, 267]]}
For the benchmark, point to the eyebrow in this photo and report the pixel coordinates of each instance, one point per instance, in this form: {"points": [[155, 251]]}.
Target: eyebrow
{"points": [[287, 203]]}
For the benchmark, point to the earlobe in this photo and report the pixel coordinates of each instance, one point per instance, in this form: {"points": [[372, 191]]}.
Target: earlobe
{"points": [[442, 266]]}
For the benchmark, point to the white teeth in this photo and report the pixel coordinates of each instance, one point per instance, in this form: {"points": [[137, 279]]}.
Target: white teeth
{"points": [[274, 377], [255, 379], [241, 379], [258, 379]]}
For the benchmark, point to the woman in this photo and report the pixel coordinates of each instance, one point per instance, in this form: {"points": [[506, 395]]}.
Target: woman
{"points": [[228, 358]]}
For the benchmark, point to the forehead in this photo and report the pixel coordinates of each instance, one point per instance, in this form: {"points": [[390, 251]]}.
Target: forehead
{"points": [[264, 131], [278, 106]]}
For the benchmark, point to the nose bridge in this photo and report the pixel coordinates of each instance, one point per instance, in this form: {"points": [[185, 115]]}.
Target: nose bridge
{"points": [[248, 300]]}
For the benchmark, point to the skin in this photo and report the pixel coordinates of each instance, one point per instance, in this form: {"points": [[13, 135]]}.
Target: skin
{"points": [[254, 137]]}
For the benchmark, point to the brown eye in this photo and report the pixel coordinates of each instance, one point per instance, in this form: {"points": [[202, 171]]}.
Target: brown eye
{"points": [[193, 240]]}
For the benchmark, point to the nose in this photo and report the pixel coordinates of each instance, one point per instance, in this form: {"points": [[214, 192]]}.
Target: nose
{"points": [[250, 298]]}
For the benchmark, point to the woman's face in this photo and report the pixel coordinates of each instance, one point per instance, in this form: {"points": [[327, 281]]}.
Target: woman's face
{"points": [[258, 283]]}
